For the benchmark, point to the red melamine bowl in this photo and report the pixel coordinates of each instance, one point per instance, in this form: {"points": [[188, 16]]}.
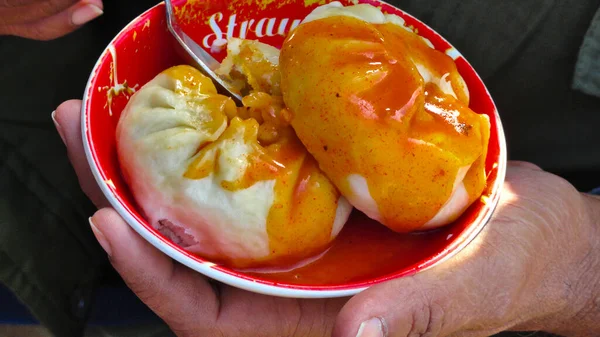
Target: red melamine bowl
{"points": [[365, 253]]}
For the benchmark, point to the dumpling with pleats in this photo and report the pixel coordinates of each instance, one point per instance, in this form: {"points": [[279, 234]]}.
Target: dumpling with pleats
{"points": [[385, 115], [234, 185]]}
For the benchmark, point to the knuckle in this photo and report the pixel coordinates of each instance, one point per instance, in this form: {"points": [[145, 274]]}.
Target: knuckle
{"points": [[52, 7], [181, 331], [144, 288], [145, 293], [38, 32], [427, 320], [7, 29]]}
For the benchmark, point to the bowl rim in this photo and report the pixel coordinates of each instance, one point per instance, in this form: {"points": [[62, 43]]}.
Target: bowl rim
{"points": [[238, 279]]}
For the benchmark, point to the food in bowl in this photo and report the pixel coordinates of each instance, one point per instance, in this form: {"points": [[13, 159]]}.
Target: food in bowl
{"points": [[356, 106], [385, 115], [232, 184]]}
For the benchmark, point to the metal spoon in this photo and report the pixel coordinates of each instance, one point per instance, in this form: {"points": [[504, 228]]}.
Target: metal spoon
{"points": [[202, 59]]}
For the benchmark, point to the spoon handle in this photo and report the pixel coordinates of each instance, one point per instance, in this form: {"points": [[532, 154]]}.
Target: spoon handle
{"points": [[200, 57]]}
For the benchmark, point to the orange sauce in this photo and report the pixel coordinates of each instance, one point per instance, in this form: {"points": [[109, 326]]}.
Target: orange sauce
{"points": [[360, 106], [363, 251]]}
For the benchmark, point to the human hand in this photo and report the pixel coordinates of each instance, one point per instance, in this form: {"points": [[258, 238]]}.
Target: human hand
{"points": [[532, 268], [183, 298], [46, 19]]}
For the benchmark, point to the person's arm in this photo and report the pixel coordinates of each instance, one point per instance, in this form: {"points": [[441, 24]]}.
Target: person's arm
{"points": [[583, 318]]}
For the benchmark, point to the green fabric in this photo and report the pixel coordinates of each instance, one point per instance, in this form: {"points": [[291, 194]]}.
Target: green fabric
{"points": [[48, 254], [487, 33], [525, 51], [587, 70], [49, 261]]}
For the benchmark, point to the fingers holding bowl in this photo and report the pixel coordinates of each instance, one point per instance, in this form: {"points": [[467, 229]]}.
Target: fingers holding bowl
{"points": [[191, 305], [67, 120]]}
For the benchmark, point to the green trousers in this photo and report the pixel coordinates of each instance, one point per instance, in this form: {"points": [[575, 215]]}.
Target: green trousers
{"points": [[539, 58]]}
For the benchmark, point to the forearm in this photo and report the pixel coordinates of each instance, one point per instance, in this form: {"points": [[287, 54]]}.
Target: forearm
{"points": [[583, 312]]}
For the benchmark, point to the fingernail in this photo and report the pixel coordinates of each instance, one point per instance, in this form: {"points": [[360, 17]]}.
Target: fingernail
{"points": [[57, 126], [371, 328], [101, 238], [85, 14]]}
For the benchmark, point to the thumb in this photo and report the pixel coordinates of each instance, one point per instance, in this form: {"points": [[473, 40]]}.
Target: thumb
{"points": [[412, 306], [59, 24], [484, 289]]}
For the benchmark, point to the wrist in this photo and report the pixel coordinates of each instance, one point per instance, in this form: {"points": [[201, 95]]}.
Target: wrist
{"points": [[581, 316]]}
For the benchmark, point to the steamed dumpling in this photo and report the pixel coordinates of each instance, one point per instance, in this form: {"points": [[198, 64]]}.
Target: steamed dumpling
{"points": [[233, 185], [385, 115]]}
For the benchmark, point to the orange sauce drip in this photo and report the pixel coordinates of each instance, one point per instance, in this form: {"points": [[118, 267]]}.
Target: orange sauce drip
{"points": [[300, 221], [360, 106]]}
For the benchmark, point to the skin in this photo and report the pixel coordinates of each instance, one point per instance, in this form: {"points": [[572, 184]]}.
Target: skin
{"points": [[534, 267], [46, 19]]}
